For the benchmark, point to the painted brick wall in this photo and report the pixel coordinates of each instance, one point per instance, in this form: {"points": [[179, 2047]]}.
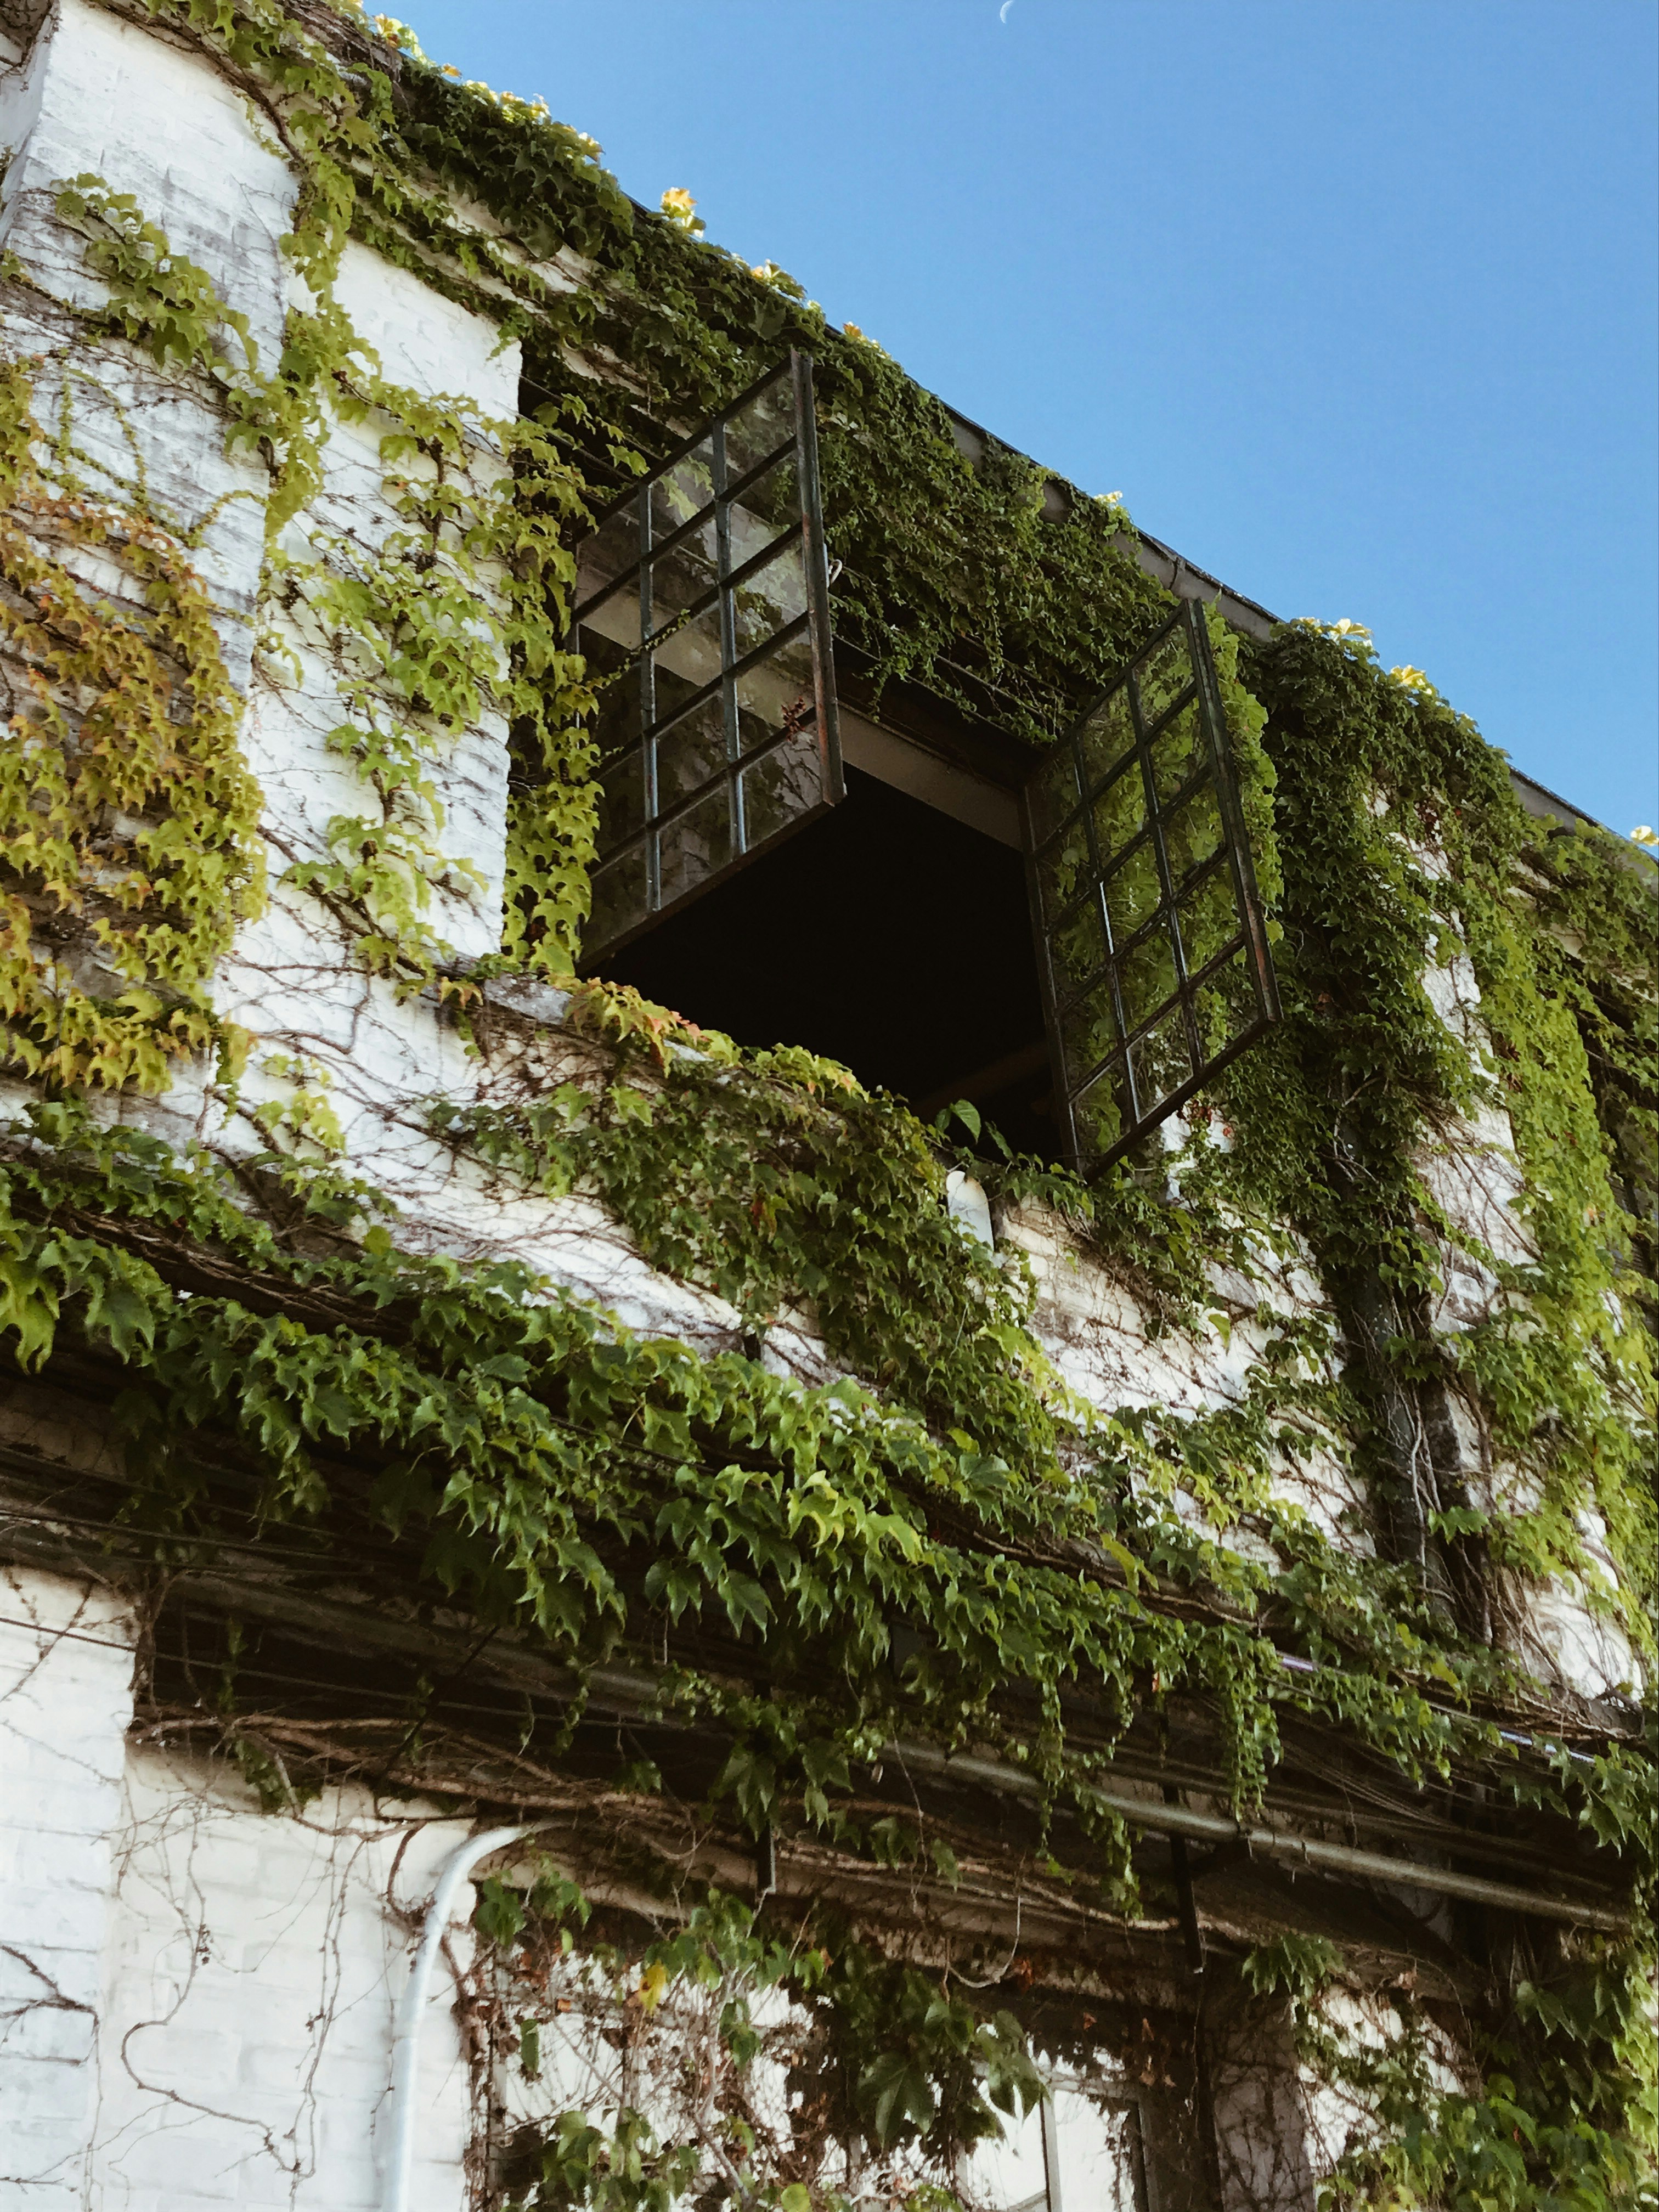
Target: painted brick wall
{"points": [[65, 1702]]}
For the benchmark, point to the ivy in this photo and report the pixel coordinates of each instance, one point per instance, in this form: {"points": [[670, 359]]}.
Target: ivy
{"points": [[128, 819], [564, 1474]]}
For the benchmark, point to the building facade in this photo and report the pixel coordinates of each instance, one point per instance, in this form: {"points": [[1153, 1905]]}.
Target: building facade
{"points": [[1031, 1582]]}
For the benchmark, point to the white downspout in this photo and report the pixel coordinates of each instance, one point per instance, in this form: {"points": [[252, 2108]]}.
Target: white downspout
{"points": [[406, 2041]]}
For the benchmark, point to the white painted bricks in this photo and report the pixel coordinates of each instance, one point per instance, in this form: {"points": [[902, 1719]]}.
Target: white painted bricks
{"points": [[65, 1703]]}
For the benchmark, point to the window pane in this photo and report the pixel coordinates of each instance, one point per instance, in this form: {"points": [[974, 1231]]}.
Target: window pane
{"points": [[1088, 1030], [1099, 2154], [1134, 892], [690, 751], [615, 618], [687, 659], [1165, 673], [1119, 812], [696, 846], [1107, 735], [616, 719], [771, 504], [776, 693], [1077, 945], [1193, 835], [1146, 975], [1209, 919], [1054, 791], [621, 802], [781, 788], [618, 896], [773, 597], [1178, 750], [1008, 2173], [612, 548], [760, 427], [677, 493], [1064, 869], [1102, 1112], [1226, 1006], [1161, 1062], [680, 579]]}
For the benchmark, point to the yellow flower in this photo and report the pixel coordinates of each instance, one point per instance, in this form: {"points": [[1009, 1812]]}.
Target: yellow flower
{"points": [[680, 207]]}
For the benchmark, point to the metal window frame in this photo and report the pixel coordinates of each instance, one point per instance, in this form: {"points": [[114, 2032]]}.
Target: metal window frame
{"points": [[814, 624], [1233, 853]]}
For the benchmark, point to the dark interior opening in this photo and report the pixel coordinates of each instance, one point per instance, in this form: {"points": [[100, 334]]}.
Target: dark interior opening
{"points": [[884, 935]]}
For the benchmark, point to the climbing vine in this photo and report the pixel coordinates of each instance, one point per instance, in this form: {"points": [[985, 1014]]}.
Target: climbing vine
{"points": [[614, 1492]]}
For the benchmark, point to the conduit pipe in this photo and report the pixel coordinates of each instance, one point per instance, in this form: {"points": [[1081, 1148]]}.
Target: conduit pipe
{"points": [[1272, 1842], [411, 2013]]}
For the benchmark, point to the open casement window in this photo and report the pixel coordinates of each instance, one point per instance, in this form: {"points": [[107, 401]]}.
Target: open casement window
{"points": [[1152, 945], [703, 609]]}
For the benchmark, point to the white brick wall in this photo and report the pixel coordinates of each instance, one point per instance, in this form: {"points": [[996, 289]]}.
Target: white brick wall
{"points": [[65, 1702], [254, 1965]]}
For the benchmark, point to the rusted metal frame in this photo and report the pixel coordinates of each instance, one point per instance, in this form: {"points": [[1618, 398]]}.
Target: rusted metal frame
{"points": [[1205, 692], [810, 489], [801, 442], [1236, 830], [1182, 998]]}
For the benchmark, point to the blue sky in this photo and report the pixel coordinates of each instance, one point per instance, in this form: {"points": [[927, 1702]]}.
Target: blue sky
{"points": [[1355, 303]]}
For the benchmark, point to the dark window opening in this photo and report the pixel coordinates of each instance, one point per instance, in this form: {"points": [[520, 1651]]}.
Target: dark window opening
{"points": [[884, 935], [1071, 940]]}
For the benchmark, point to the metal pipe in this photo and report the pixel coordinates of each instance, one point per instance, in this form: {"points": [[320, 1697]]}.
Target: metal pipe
{"points": [[407, 2041], [1272, 1842]]}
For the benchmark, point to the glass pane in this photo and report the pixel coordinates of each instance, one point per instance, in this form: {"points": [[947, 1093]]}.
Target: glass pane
{"points": [[1064, 869], [1134, 892], [773, 597], [1078, 945], [1101, 1113], [1008, 2172], [1107, 735], [686, 660], [771, 504], [1193, 835], [616, 720], [1146, 976], [1161, 1060], [613, 548], [1099, 2154], [1165, 673], [682, 577], [1054, 791], [1088, 1030], [616, 618], [622, 802], [690, 752], [1209, 918], [619, 898], [760, 427], [1178, 750], [698, 846], [780, 788], [677, 493], [1120, 812], [776, 693], [1226, 1006]]}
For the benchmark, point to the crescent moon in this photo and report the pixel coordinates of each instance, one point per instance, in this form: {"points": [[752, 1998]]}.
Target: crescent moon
{"points": [[1002, 12]]}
